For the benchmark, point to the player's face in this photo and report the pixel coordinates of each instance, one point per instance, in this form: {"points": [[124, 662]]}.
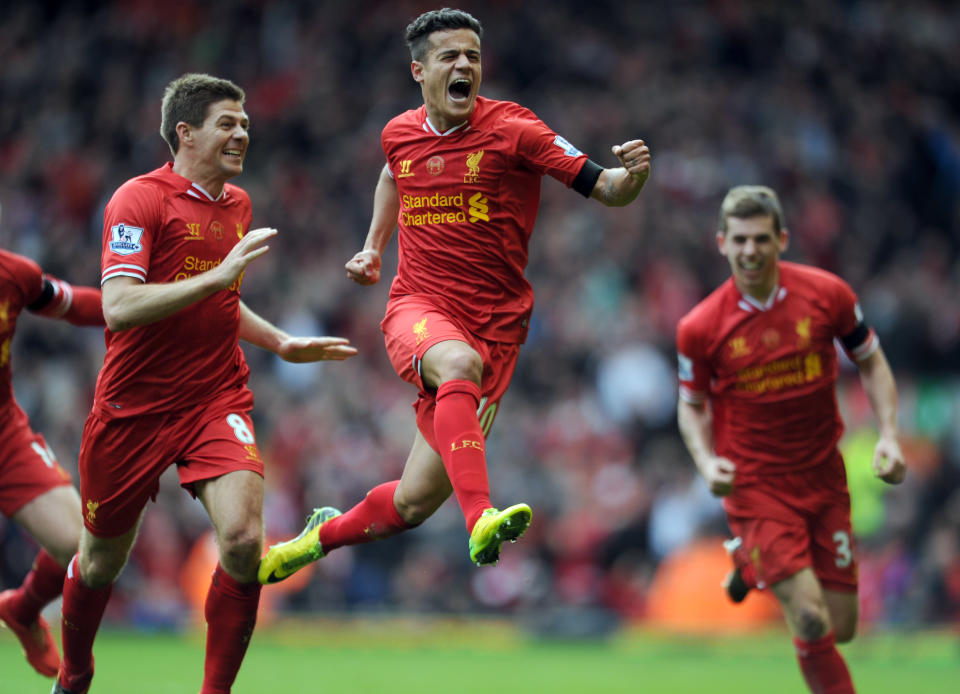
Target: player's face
{"points": [[449, 76], [753, 248], [221, 142]]}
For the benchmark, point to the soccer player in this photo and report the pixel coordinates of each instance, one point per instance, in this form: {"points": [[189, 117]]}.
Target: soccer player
{"points": [[462, 183], [173, 388], [34, 490], [758, 413]]}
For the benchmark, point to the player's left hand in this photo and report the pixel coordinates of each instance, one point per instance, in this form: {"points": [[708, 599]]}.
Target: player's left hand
{"points": [[300, 350], [634, 155], [888, 463]]}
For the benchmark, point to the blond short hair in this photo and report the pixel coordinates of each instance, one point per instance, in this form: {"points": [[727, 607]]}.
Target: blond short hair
{"points": [[744, 202]]}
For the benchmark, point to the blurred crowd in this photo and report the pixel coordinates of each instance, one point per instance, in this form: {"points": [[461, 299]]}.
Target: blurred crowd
{"points": [[850, 110]]}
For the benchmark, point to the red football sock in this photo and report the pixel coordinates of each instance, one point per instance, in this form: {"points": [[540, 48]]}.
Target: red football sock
{"points": [[374, 518], [41, 586], [231, 612], [82, 611], [823, 667], [462, 447]]}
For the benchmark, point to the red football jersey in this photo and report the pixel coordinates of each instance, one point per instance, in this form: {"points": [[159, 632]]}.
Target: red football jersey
{"points": [[21, 283], [770, 371], [161, 228], [468, 202], [24, 285]]}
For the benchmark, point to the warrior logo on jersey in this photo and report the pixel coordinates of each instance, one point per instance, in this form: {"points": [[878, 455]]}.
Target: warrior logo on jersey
{"points": [[125, 240], [473, 166], [567, 148], [4, 315], [405, 168], [738, 347], [435, 165]]}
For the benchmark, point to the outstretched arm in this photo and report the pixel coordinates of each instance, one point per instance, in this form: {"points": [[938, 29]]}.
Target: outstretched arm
{"points": [[128, 303], [695, 428], [77, 305], [364, 267], [878, 382], [264, 334], [620, 186]]}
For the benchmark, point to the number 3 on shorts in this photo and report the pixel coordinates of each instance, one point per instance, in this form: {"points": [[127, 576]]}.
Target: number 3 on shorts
{"points": [[241, 430], [844, 555]]}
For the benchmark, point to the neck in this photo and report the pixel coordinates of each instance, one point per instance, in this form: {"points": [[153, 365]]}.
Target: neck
{"points": [[211, 183]]}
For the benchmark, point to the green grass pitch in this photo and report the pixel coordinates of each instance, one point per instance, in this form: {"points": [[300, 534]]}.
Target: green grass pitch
{"points": [[466, 656]]}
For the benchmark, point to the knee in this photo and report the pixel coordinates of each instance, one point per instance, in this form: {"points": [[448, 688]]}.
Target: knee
{"points": [[461, 364], [240, 548], [812, 623], [415, 510], [100, 568]]}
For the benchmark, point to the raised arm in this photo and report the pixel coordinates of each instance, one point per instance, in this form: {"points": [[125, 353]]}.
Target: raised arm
{"points": [[264, 334], [694, 421], [881, 389], [620, 186], [364, 267], [128, 303]]}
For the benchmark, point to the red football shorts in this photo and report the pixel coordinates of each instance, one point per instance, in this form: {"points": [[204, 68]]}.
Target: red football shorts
{"points": [[794, 521], [28, 468], [121, 459], [411, 326]]}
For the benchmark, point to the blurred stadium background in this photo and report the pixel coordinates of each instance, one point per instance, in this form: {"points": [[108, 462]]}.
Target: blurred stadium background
{"points": [[850, 109]]}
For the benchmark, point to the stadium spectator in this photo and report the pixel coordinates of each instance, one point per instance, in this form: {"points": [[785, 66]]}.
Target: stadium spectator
{"points": [[176, 242], [35, 491], [758, 413], [462, 182]]}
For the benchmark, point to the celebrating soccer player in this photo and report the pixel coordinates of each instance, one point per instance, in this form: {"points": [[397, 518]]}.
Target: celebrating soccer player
{"points": [[173, 388], [34, 490], [462, 183], [758, 413]]}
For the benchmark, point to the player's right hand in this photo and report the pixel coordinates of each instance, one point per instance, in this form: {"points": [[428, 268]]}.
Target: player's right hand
{"points": [[364, 267], [718, 473], [249, 248]]}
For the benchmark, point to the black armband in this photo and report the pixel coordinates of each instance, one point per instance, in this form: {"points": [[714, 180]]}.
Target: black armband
{"points": [[587, 178], [856, 338], [48, 292]]}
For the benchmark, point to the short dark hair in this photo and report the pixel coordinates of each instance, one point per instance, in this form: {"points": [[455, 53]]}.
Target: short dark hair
{"points": [[744, 202], [188, 98], [419, 30]]}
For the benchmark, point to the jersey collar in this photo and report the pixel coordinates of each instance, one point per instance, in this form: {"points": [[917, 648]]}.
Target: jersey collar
{"points": [[749, 304], [428, 127]]}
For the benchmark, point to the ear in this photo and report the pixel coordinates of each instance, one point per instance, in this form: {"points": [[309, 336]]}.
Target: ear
{"points": [[721, 237], [784, 239], [416, 69], [184, 132]]}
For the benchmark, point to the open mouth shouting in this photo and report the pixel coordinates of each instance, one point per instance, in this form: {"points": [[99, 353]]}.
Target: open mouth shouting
{"points": [[459, 90]]}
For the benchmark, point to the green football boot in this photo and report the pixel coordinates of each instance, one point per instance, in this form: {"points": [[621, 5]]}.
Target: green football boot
{"points": [[493, 528], [286, 558]]}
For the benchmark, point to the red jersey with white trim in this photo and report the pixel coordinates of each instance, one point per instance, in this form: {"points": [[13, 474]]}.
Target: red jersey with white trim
{"points": [[468, 203], [23, 285], [770, 371], [161, 228]]}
